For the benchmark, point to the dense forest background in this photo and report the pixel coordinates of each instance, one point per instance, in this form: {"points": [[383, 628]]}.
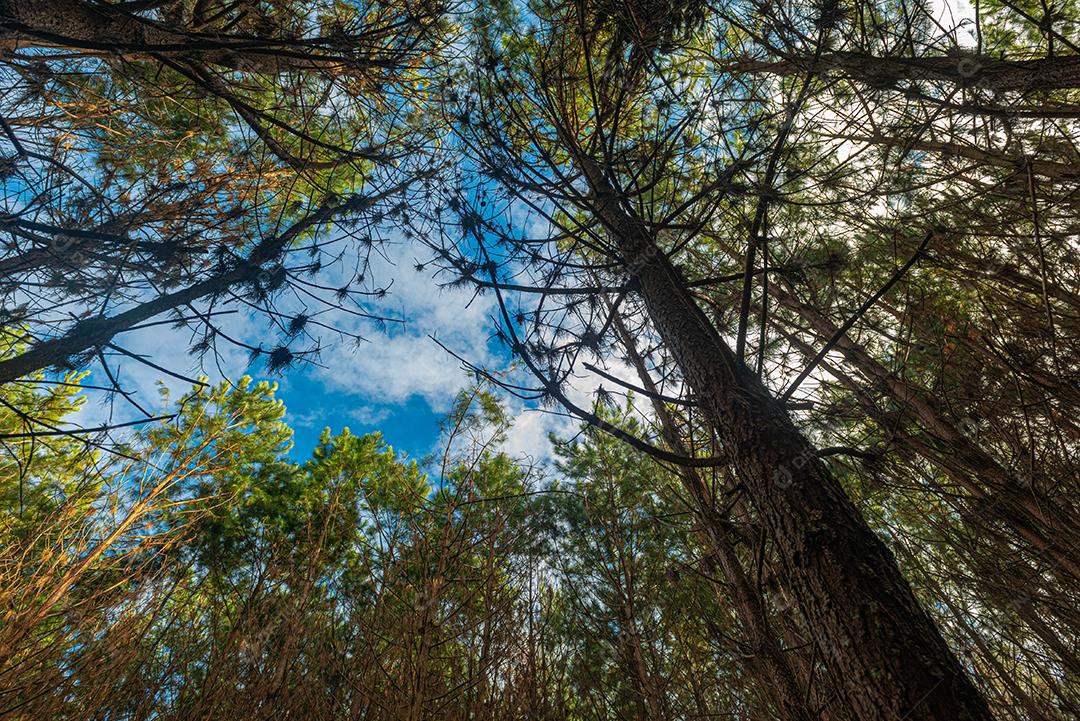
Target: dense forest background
{"points": [[803, 275]]}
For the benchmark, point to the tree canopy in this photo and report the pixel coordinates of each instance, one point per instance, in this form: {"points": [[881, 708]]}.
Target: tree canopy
{"points": [[818, 259]]}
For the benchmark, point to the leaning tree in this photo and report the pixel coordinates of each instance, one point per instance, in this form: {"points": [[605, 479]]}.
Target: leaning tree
{"points": [[743, 187]]}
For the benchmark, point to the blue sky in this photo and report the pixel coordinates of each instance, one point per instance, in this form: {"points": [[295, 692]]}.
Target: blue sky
{"points": [[397, 381], [411, 426]]}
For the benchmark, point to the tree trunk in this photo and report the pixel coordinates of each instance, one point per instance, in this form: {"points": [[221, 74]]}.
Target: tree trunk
{"points": [[1049, 73], [83, 26], [877, 642]]}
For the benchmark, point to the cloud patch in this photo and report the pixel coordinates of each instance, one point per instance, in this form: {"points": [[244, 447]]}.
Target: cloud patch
{"points": [[397, 362]]}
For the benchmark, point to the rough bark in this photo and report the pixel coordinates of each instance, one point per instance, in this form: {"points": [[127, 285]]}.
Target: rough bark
{"points": [[877, 643], [83, 26], [1057, 72]]}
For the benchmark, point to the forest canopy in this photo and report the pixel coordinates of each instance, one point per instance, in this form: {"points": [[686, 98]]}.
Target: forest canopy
{"points": [[800, 279]]}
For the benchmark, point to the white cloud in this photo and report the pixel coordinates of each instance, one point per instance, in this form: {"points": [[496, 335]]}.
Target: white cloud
{"points": [[346, 414], [364, 384], [402, 361], [528, 436]]}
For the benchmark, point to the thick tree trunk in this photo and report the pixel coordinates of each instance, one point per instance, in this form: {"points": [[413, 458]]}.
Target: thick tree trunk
{"points": [[84, 26], [877, 642], [1050, 73]]}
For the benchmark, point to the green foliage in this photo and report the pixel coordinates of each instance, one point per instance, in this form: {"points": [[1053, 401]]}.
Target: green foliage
{"points": [[40, 474], [200, 570]]}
